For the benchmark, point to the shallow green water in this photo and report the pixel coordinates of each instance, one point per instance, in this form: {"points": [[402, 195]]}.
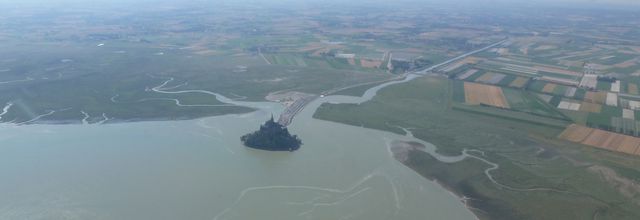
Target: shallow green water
{"points": [[198, 169]]}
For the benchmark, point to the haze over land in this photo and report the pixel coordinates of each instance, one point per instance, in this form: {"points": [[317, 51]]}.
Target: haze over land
{"points": [[460, 109]]}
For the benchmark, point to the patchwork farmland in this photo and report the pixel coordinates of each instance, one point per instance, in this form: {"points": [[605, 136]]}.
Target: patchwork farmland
{"points": [[583, 86], [602, 139], [476, 94]]}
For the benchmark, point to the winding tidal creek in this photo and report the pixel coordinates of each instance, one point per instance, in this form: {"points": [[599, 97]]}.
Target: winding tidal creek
{"points": [[198, 169]]}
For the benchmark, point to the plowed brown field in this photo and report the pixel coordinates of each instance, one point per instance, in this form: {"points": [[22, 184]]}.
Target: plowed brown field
{"points": [[596, 97], [477, 94], [590, 107], [601, 139], [549, 88], [519, 82]]}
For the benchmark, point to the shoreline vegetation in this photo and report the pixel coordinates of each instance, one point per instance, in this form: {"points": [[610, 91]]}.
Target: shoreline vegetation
{"points": [[404, 152], [512, 169]]}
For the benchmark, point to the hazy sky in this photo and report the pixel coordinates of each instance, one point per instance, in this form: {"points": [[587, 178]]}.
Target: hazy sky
{"points": [[596, 1], [617, 2], [578, 3], [478, 1]]}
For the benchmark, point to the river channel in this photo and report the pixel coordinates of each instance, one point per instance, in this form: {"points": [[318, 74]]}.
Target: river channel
{"points": [[198, 169]]}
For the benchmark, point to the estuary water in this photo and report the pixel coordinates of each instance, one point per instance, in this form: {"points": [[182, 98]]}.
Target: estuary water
{"points": [[198, 169]]}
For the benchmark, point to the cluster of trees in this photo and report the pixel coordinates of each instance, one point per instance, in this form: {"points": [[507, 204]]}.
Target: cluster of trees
{"points": [[607, 78], [455, 43], [401, 66]]}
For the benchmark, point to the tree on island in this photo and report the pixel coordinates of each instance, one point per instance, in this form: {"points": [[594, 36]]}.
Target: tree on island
{"points": [[272, 136]]}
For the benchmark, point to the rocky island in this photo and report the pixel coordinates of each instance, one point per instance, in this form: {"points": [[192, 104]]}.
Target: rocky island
{"points": [[272, 136]]}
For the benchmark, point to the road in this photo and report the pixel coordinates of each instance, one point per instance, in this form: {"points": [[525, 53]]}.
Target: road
{"points": [[422, 72], [290, 112], [287, 115]]}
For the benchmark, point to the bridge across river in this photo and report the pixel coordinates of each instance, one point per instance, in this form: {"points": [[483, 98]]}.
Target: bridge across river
{"points": [[287, 115]]}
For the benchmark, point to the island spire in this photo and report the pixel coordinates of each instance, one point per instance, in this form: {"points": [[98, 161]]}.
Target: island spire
{"points": [[272, 136]]}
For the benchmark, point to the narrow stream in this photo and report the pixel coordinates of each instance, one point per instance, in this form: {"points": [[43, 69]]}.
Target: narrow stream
{"points": [[198, 169]]}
